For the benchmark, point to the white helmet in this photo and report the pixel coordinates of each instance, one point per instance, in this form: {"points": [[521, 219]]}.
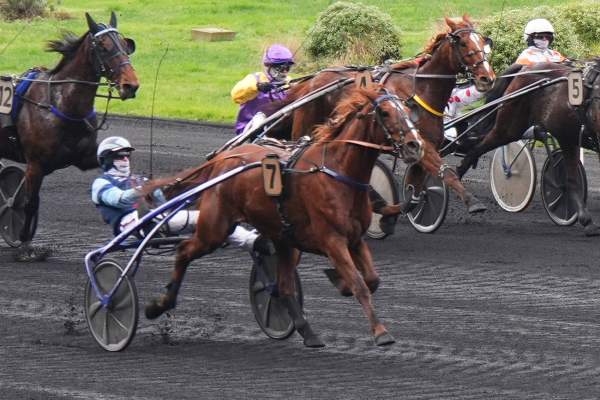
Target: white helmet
{"points": [[111, 145], [537, 26]]}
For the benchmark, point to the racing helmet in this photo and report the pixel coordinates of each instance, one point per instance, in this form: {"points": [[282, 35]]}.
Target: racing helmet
{"points": [[538, 25], [278, 54], [111, 146]]}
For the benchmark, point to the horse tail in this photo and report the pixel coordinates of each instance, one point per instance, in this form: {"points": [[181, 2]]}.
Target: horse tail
{"points": [[183, 181]]}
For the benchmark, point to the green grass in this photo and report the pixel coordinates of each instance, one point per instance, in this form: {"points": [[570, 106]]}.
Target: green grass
{"points": [[196, 77]]}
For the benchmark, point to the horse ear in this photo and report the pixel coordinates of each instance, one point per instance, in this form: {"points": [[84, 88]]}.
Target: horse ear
{"points": [[91, 23], [451, 24], [113, 19], [467, 19]]}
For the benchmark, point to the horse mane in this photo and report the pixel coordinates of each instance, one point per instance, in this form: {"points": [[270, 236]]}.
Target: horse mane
{"points": [[67, 46], [437, 40], [352, 105]]}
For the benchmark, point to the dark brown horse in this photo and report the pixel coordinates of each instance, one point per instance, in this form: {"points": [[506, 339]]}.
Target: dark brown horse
{"points": [[57, 125], [426, 84], [328, 213], [548, 110]]}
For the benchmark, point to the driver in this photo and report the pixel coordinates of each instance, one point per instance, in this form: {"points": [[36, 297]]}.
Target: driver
{"points": [[117, 194], [260, 88], [539, 35]]}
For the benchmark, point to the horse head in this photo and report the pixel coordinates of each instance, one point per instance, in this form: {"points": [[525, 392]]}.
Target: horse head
{"points": [[394, 123], [110, 55], [470, 50]]}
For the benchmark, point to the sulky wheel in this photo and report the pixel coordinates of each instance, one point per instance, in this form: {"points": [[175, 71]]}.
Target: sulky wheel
{"points": [[513, 176], [557, 203], [112, 326], [12, 205], [431, 211], [272, 316], [382, 181]]}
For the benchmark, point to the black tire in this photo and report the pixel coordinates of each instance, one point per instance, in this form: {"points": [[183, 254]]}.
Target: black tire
{"points": [[431, 211], [554, 190], [384, 182], [271, 315], [12, 205], [112, 327], [513, 176]]}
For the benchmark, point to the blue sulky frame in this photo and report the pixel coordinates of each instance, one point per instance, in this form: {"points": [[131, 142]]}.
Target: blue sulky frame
{"points": [[120, 242]]}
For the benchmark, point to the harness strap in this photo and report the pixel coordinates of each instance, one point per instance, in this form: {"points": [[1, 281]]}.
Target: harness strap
{"points": [[70, 118], [343, 178], [367, 144], [426, 106]]}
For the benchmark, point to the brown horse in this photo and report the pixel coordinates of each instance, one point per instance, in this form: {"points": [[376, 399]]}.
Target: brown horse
{"points": [[426, 84], [57, 124], [325, 203], [548, 110]]}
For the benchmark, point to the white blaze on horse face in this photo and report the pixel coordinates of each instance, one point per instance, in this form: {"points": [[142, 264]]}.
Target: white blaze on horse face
{"points": [[475, 39]]}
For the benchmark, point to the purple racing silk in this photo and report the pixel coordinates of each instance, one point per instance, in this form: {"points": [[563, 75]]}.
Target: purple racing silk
{"points": [[251, 107]]}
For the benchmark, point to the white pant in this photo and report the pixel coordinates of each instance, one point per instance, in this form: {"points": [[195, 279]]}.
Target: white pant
{"points": [[185, 222], [460, 98]]}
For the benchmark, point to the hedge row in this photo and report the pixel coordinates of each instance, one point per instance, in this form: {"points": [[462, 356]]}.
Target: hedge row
{"points": [[577, 31], [354, 33]]}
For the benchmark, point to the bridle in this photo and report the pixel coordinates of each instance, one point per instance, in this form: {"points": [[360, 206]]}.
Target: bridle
{"points": [[455, 40], [101, 61], [397, 146]]}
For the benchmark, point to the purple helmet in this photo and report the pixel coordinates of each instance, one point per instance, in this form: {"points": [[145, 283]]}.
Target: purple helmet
{"points": [[278, 54]]}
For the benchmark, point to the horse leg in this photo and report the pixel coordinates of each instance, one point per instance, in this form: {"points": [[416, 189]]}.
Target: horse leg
{"points": [[87, 161], [34, 176], [571, 156], [211, 231], [339, 255], [361, 255], [494, 139], [433, 163], [287, 261]]}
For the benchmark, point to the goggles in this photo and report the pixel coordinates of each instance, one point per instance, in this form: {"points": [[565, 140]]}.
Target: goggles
{"points": [[281, 67], [543, 36]]}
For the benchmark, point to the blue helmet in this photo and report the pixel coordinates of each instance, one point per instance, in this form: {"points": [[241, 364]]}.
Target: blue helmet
{"points": [[278, 54]]}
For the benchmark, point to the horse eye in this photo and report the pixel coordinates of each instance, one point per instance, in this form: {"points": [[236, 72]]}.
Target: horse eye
{"points": [[384, 113]]}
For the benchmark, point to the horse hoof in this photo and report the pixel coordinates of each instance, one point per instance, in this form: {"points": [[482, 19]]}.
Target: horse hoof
{"points": [[591, 230], [313, 341], [373, 285], [384, 339], [32, 254], [335, 278], [478, 207], [154, 310]]}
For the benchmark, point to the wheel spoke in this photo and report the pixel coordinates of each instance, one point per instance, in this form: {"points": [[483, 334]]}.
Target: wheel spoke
{"points": [[417, 212], [94, 308], [267, 311], [556, 202], [123, 302], [105, 329], [437, 190], [121, 324]]}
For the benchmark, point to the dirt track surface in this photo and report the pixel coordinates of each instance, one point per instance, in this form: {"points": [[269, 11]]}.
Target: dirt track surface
{"points": [[499, 305]]}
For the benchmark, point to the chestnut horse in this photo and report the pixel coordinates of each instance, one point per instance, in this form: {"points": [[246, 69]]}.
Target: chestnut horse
{"points": [[547, 109], [57, 125], [426, 84], [325, 203]]}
